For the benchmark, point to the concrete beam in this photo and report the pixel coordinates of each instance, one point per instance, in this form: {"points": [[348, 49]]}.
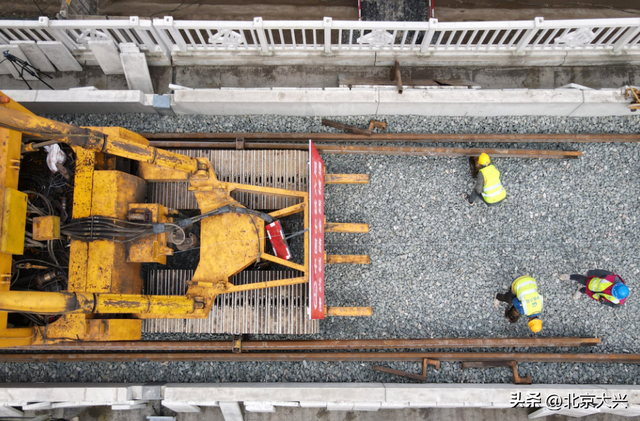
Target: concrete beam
{"points": [[231, 411], [334, 102], [483, 395], [39, 406], [136, 70], [107, 55], [8, 411], [180, 406], [340, 406], [84, 394], [288, 392], [281, 101], [58, 54], [387, 101], [83, 102], [266, 407], [36, 57]]}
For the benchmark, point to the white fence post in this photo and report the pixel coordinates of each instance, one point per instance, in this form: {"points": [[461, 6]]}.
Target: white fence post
{"points": [[262, 36], [166, 24], [428, 36], [59, 34], [142, 29], [327, 23], [625, 39], [524, 42]]}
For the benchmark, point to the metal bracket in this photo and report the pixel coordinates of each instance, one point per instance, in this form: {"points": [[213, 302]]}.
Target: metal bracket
{"points": [[355, 129], [239, 144], [236, 346], [420, 377], [514, 369]]}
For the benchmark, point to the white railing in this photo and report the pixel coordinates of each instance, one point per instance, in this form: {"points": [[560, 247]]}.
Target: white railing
{"points": [[329, 37], [75, 34]]}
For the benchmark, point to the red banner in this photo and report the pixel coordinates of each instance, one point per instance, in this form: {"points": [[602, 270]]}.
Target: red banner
{"points": [[316, 234]]}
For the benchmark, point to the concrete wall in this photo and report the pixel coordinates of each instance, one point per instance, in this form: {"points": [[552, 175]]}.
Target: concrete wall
{"points": [[265, 397], [338, 102]]}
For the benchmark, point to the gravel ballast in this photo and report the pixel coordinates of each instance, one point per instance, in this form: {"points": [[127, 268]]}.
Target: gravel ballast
{"points": [[436, 261]]}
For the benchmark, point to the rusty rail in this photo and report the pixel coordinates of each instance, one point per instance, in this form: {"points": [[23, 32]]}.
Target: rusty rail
{"points": [[378, 150], [403, 137], [314, 345], [518, 357]]}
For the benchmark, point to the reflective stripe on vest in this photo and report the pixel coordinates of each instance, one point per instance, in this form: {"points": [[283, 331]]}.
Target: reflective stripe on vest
{"points": [[492, 191], [598, 284], [526, 290]]}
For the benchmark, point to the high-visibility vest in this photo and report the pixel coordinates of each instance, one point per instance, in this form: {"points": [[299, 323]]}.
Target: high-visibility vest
{"points": [[597, 285], [492, 191], [525, 289]]}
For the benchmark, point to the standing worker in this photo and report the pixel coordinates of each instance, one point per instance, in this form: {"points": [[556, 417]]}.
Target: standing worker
{"points": [[487, 181], [602, 286], [524, 299]]}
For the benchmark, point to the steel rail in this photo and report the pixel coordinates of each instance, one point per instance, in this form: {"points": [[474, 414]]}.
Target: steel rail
{"points": [[406, 137], [518, 357], [380, 150], [314, 345]]}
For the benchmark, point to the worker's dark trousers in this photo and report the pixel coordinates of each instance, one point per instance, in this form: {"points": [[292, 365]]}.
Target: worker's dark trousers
{"points": [[506, 297], [583, 280], [475, 196]]}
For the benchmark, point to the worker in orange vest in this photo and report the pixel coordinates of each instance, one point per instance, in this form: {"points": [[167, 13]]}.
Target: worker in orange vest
{"points": [[488, 182], [600, 285]]}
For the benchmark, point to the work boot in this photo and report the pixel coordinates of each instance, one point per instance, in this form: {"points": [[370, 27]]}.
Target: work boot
{"points": [[577, 294], [496, 302], [565, 277]]}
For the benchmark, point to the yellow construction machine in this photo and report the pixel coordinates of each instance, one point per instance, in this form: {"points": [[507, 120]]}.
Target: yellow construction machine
{"points": [[83, 277]]}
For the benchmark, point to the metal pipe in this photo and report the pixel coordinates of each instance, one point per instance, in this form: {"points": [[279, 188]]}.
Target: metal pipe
{"points": [[39, 302], [407, 137], [320, 356], [315, 345]]}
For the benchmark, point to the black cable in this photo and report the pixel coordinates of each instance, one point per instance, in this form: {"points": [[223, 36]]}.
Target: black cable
{"points": [[295, 234], [38, 6], [177, 8]]}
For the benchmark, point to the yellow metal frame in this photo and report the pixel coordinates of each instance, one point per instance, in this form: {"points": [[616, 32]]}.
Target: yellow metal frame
{"points": [[101, 281], [104, 276]]}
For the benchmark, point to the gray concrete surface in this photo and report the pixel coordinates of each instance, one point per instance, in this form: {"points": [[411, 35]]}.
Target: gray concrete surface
{"points": [[297, 414], [213, 77]]}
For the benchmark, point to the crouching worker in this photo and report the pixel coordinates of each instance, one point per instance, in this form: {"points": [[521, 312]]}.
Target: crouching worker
{"points": [[488, 182], [525, 300]]}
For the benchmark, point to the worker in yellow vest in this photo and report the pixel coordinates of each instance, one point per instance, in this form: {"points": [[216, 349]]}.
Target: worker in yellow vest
{"points": [[603, 286], [488, 183], [524, 299]]}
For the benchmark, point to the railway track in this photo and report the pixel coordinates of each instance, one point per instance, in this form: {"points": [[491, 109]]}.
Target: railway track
{"points": [[398, 137], [359, 350], [335, 143], [363, 350]]}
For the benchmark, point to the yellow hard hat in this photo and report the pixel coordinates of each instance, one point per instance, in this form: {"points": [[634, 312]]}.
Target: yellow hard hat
{"points": [[484, 159], [535, 325]]}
